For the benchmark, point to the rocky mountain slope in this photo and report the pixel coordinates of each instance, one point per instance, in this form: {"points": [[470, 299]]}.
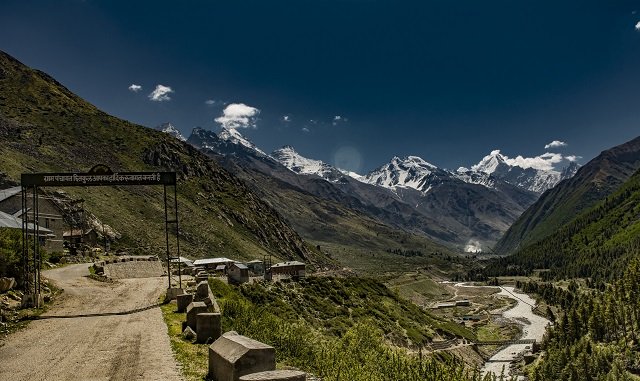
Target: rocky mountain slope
{"points": [[556, 207], [409, 194], [45, 127]]}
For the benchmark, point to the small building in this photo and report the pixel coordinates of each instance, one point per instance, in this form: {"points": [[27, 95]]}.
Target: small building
{"points": [[210, 264], [185, 262], [11, 222], [445, 305], [79, 236], [256, 267], [50, 216], [293, 269], [220, 270], [237, 273], [463, 303]]}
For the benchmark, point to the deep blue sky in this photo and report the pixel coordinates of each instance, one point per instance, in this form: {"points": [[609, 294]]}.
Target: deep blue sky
{"points": [[445, 80]]}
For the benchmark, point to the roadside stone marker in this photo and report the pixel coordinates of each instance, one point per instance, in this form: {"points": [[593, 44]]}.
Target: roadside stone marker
{"points": [[233, 356], [193, 309], [183, 301], [208, 326]]}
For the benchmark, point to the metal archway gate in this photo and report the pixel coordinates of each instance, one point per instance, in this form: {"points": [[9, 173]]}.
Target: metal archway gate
{"points": [[99, 175]]}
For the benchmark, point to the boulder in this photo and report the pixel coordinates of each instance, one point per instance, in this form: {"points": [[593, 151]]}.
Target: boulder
{"points": [[7, 284], [188, 333], [233, 356]]}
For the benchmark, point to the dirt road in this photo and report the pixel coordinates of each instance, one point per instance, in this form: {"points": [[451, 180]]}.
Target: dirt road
{"points": [[125, 347]]}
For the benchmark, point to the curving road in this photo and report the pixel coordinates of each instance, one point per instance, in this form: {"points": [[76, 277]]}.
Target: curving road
{"points": [[127, 347]]}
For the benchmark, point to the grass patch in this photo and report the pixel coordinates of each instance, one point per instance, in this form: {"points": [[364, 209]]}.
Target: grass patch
{"points": [[193, 358]]}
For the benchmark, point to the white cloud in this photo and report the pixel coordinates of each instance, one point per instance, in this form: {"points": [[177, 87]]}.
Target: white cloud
{"points": [[573, 157], [305, 129], [210, 102], [555, 143], [337, 119], [286, 118], [161, 93], [545, 161], [638, 26], [238, 115], [135, 88], [473, 246]]}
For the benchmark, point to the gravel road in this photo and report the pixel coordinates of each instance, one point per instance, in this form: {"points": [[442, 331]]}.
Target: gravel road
{"points": [[122, 347]]}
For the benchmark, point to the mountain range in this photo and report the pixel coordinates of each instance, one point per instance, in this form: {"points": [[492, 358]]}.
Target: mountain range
{"points": [[467, 208]]}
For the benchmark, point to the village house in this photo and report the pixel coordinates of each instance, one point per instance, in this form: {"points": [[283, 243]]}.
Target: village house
{"points": [[78, 236], [237, 273], [210, 264], [50, 217], [293, 269], [8, 221], [256, 267]]}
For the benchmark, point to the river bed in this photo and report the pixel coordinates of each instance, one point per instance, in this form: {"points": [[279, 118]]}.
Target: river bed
{"points": [[533, 327]]}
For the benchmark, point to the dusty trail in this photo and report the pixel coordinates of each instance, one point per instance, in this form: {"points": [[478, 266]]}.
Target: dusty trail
{"points": [[127, 347]]}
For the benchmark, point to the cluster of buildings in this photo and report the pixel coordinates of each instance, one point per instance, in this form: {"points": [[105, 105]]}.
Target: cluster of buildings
{"points": [[239, 272], [52, 230]]}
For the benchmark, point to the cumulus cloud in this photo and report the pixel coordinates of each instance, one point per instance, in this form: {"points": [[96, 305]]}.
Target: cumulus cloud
{"points": [[135, 88], [555, 144], [573, 157], [638, 26], [286, 118], [238, 115], [473, 246], [161, 93], [305, 129], [545, 161]]}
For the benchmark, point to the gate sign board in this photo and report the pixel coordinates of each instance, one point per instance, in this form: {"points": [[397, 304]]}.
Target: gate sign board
{"points": [[98, 179]]}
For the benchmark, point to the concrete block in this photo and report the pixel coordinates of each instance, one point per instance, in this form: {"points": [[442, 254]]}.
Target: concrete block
{"points": [[172, 293], [208, 326], [188, 333], [193, 309], [233, 356], [183, 301], [276, 375], [202, 291]]}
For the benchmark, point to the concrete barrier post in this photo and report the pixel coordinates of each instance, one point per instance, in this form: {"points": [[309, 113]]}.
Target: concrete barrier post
{"points": [[233, 356], [208, 326], [193, 309], [183, 301]]}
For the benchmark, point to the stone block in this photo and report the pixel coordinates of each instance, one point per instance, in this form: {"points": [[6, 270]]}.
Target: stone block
{"points": [[193, 309], [183, 301], [276, 375], [208, 326], [202, 291], [233, 356], [172, 293]]}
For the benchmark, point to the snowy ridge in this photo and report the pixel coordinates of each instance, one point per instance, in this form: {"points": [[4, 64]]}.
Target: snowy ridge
{"points": [[500, 167], [297, 163], [169, 128], [409, 172], [232, 135]]}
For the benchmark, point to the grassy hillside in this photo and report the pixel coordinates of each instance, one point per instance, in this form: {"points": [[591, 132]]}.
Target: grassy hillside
{"points": [[45, 127], [597, 244], [561, 204]]}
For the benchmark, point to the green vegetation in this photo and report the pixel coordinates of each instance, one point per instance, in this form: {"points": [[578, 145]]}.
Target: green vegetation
{"points": [[596, 338], [597, 244], [10, 253], [193, 358]]}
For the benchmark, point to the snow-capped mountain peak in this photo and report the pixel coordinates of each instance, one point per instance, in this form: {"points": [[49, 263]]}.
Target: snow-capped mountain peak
{"points": [[170, 129], [232, 135], [297, 163], [490, 163], [409, 172]]}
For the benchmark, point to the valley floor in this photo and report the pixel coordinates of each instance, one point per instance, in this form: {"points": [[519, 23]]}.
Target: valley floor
{"points": [[126, 347]]}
